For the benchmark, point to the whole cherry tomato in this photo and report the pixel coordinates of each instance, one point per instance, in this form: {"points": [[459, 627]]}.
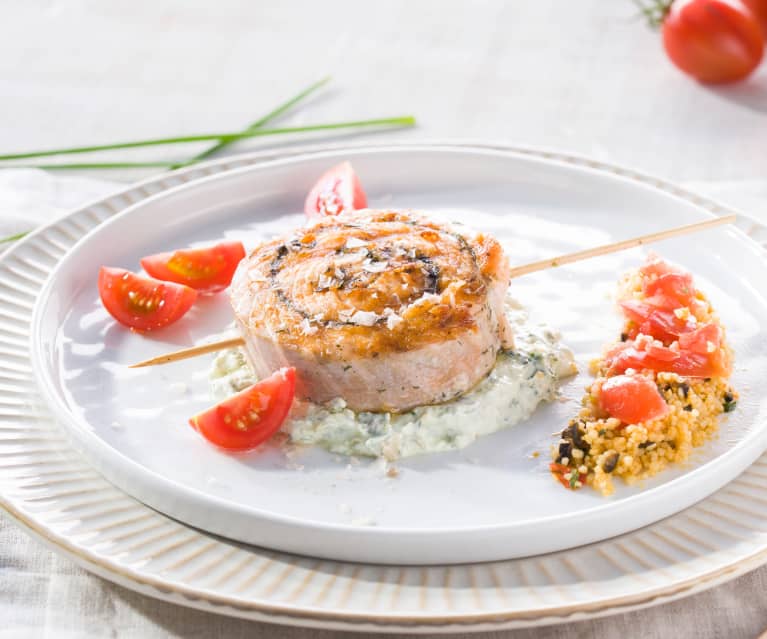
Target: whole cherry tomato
{"points": [[715, 41], [759, 9]]}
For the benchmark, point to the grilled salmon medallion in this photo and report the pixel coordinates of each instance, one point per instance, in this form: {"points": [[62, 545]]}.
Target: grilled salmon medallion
{"points": [[385, 309]]}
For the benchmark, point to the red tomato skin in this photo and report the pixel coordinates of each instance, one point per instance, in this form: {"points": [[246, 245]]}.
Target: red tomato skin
{"points": [[559, 471], [115, 284], [657, 322], [656, 265], [221, 259], [661, 353], [338, 191], [697, 341], [715, 41], [632, 399], [670, 290], [759, 9], [663, 359], [270, 399]]}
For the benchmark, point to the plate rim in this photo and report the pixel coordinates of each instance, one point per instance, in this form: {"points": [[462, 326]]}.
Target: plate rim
{"points": [[426, 623], [492, 620]]}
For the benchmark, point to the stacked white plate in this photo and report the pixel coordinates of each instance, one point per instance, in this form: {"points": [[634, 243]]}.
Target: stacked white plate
{"points": [[97, 460]]}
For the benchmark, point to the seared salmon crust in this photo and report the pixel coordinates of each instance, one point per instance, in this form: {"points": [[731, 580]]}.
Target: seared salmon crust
{"points": [[386, 309]]}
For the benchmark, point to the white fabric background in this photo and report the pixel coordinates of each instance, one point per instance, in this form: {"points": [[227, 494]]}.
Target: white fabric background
{"points": [[580, 76]]}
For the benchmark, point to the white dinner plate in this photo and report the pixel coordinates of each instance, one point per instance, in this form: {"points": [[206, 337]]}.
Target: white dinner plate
{"points": [[53, 492], [492, 500]]}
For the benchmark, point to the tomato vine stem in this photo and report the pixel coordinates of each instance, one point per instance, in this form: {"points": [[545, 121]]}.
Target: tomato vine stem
{"points": [[654, 11]]}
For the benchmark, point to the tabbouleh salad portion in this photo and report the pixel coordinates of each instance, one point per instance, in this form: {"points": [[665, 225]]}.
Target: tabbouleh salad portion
{"points": [[658, 392]]}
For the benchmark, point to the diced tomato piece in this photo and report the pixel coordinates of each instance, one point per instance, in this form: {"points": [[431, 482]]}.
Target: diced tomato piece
{"points": [[635, 310], [337, 191], [702, 365], [661, 353], [656, 265], [666, 289], [620, 360], [660, 324], [626, 356], [702, 340], [560, 470], [632, 399], [687, 363], [670, 290], [143, 303], [207, 270], [250, 417], [666, 285], [705, 343]]}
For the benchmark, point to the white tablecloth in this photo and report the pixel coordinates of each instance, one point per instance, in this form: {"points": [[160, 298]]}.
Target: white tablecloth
{"points": [[44, 595]]}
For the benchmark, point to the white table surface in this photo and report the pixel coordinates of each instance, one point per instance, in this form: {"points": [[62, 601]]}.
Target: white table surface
{"points": [[576, 75]]}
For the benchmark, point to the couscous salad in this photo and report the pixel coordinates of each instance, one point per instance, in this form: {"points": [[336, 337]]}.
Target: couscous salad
{"points": [[659, 390]]}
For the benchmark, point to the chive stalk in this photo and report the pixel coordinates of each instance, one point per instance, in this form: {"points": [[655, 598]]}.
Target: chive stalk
{"points": [[285, 106], [222, 137]]}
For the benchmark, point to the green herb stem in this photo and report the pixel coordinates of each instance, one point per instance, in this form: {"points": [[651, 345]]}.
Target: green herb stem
{"points": [[285, 106], [282, 108], [222, 137], [654, 11], [13, 238], [91, 165]]}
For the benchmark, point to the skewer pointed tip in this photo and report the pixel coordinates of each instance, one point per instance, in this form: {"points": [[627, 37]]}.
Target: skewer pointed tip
{"points": [[190, 352]]}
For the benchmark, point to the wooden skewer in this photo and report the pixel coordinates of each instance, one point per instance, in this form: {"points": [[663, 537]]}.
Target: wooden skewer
{"points": [[194, 351], [542, 265], [517, 271]]}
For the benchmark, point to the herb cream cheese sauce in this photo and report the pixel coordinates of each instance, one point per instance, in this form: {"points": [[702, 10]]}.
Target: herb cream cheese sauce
{"points": [[519, 381]]}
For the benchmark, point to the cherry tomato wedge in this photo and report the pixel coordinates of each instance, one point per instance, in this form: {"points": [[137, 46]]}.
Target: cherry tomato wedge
{"points": [[632, 399], [713, 40], [337, 191], [250, 417], [143, 303], [207, 270]]}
